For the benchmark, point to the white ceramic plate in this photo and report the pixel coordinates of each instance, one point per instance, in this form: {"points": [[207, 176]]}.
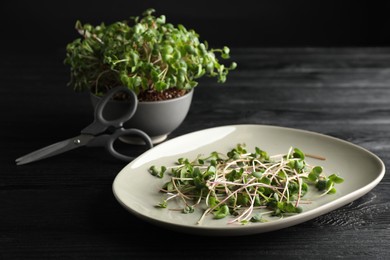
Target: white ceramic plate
{"points": [[138, 191]]}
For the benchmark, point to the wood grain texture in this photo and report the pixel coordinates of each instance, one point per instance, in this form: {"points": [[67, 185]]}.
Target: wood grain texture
{"points": [[63, 207]]}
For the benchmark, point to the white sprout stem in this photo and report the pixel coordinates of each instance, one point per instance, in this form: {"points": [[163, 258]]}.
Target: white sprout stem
{"points": [[183, 196], [299, 188], [247, 213]]}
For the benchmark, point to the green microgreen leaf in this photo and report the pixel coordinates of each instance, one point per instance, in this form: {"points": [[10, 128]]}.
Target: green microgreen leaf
{"points": [[257, 218], [157, 172], [213, 201], [188, 209], [336, 179], [162, 204], [257, 174], [298, 154], [315, 173], [321, 184], [221, 212]]}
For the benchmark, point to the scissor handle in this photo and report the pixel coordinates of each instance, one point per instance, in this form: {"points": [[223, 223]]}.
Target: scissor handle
{"points": [[100, 123], [118, 122], [121, 132]]}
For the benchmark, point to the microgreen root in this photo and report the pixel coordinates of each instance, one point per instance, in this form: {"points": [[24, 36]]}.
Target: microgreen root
{"points": [[242, 183]]}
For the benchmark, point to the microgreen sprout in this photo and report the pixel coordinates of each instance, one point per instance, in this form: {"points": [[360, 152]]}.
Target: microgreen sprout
{"points": [[145, 53], [240, 182]]}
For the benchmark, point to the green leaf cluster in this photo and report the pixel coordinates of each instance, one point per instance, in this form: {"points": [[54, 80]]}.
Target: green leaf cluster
{"points": [[324, 183], [143, 54]]}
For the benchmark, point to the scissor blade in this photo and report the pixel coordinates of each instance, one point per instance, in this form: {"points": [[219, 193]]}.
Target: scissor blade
{"points": [[54, 149]]}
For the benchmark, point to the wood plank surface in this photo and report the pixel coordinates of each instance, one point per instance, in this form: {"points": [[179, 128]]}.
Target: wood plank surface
{"points": [[63, 207]]}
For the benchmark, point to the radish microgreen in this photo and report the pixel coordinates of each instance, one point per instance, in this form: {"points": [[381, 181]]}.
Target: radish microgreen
{"points": [[238, 183]]}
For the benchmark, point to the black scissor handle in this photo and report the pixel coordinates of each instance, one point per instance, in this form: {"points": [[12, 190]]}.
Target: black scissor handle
{"points": [[121, 132], [129, 113]]}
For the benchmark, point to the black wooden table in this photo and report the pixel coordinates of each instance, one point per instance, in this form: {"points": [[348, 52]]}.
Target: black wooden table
{"points": [[63, 207]]}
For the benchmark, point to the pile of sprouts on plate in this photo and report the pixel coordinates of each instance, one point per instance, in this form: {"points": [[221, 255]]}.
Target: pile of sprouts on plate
{"points": [[238, 183]]}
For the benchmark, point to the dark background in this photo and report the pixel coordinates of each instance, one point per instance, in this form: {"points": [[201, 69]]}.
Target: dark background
{"points": [[278, 23], [63, 207]]}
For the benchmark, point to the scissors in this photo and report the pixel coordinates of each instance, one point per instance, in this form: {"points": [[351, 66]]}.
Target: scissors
{"points": [[96, 133]]}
